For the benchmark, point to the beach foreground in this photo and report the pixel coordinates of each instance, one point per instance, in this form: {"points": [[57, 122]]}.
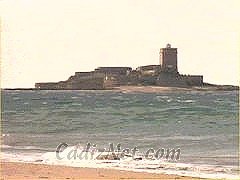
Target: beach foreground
{"points": [[12, 170]]}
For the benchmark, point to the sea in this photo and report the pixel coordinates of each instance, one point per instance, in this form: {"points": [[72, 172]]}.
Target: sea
{"points": [[104, 127]]}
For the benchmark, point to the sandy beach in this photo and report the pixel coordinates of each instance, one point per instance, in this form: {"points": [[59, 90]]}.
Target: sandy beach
{"points": [[161, 89], [13, 170], [149, 89]]}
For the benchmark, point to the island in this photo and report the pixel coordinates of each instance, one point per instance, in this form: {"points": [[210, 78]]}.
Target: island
{"points": [[165, 74]]}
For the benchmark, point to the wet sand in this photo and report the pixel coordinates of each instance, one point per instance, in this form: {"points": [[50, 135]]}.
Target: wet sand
{"points": [[13, 170]]}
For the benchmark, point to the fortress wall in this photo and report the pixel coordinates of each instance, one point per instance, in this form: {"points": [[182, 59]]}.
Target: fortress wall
{"points": [[86, 83], [193, 80], [113, 80], [133, 78], [110, 83], [46, 86], [113, 70], [94, 81], [147, 80], [81, 74], [85, 75], [171, 81], [149, 68]]}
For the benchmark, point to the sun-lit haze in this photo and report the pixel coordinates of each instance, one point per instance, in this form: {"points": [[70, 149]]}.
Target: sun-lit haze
{"points": [[45, 41]]}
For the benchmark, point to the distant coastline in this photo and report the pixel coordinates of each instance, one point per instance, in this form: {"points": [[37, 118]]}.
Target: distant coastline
{"points": [[151, 89]]}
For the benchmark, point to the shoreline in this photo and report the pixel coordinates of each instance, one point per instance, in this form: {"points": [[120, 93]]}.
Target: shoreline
{"points": [[144, 89], [19, 170]]}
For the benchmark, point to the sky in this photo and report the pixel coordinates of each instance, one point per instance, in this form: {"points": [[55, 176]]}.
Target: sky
{"points": [[50, 40]]}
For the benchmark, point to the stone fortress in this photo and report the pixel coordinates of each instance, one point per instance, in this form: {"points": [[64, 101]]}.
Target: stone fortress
{"points": [[164, 74]]}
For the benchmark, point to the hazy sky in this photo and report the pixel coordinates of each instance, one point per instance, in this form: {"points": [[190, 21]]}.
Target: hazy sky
{"points": [[48, 40]]}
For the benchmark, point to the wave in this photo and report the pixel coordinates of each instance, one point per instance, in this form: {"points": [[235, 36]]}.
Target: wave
{"points": [[21, 157], [94, 159], [4, 146], [186, 101]]}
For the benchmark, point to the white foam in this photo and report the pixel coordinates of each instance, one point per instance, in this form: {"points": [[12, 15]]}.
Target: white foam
{"points": [[186, 101], [21, 157], [89, 159], [75, 97], [4, 135], [145, 165], [5, 146]]}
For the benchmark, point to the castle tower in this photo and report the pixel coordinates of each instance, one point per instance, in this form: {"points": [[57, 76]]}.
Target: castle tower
{"points": [[168, 59]]}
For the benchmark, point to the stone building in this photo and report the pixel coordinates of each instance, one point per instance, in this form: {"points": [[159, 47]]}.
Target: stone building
{"points": [[169, 75], [149, 69], [164, 74], [114, 70], [168, 59]]}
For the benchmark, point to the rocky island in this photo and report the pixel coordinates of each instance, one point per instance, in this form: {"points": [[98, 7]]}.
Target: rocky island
{"points": [[165, 74]]}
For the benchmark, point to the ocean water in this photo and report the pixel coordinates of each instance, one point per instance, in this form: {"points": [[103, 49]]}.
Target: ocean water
{"points": [[202, 124]]}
